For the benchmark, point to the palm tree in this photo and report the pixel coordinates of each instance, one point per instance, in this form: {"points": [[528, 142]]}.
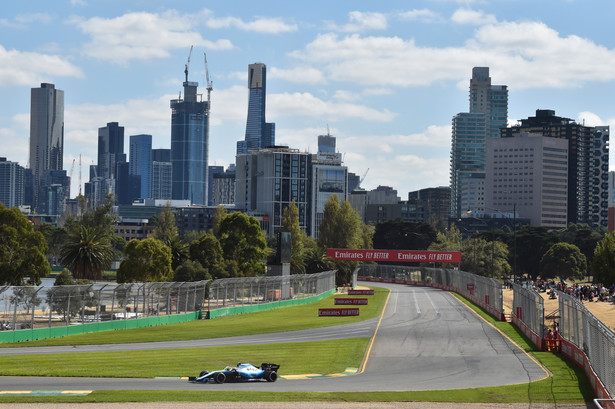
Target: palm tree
{"points": [[87, 252]]}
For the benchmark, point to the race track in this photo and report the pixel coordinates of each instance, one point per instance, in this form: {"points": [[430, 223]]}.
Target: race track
{"points": [[426, 340]]}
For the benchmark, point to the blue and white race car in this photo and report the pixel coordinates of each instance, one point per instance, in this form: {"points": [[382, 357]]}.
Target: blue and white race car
{"points": [[241, 372]]}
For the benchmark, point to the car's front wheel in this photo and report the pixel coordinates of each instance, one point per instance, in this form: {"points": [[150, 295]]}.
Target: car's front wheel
{"points": [[220, 377], [271, 376]]}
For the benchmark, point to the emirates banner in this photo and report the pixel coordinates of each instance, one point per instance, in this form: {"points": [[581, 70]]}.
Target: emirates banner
{"points": [[400, 256]]}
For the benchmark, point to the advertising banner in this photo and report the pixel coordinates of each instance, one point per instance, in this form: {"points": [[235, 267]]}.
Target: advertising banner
{"points": [[403, 256], [338, 312], [351, 301]]}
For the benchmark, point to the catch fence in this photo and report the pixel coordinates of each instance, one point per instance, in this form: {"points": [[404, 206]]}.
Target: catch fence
{"points": [[31, 307], [588, 342], [484, 291], [242, 291], [528, 313]]}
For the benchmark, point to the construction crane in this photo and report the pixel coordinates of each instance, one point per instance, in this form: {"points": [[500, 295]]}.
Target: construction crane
{"points": [[363, 177], [210, 86], [188, 63]]}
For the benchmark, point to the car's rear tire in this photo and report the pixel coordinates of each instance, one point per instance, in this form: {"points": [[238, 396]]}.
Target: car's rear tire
{"points": [[220, 377], [203, 373], [271, 376]]}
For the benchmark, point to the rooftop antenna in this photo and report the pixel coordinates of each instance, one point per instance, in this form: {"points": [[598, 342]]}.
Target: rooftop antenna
{"points": [[188, 63], [210, 86]]}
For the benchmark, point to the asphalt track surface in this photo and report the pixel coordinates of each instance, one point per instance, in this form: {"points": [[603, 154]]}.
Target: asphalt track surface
{"points": [[426, 340]]}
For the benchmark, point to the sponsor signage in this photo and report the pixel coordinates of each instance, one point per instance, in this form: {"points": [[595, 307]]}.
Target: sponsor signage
{"points": [[351, 301], [403, 256], [360, 292], [338, 312]]}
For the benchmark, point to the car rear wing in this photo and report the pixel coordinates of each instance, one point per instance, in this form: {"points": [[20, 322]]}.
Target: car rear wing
{"points": [[270, 367]]}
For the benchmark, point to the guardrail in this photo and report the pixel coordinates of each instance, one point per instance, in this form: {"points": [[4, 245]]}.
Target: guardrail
{"points": [[528, 314]]}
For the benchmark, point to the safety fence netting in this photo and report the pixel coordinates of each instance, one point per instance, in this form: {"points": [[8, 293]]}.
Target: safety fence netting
{"points": [[582, 329], [47, 306]]}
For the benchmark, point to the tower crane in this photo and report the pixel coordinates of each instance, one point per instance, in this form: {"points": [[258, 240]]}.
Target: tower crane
{"points": [[188, 63], [210, 86]]}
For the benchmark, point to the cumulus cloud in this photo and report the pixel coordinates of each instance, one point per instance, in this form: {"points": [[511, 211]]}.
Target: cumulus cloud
{"points": [[306, 104], [306, 75], [142, 35], [468, 16], [361, 21], [524, 54], [27, 68], [266, 25], [423, 15]]}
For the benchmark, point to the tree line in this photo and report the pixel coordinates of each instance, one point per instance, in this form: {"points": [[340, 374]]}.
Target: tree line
{"points": [[236, 246]]}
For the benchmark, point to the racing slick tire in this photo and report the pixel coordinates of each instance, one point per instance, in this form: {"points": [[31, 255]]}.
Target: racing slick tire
{"points": [[220, 377], [203, 373], [271, 376]]}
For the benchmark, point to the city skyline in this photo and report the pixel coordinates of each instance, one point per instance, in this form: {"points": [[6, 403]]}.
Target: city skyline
{"points": [[385, 78]]}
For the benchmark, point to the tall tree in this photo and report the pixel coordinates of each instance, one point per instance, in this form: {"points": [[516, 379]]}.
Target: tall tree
{"points": [[532, 243], [242, 241], [485, 258], [87, 252], [208, 253], [22, 250], [220, 214], [146, 260], [299, 240], [603, 262], [563, 260], [342, 227], [165, 229]]}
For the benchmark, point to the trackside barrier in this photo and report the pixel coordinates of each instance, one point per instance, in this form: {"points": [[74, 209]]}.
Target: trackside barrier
{"points": [[590, 344], [245, 309], [31, 313], [528, 314], [56, 332], [483, 291]]}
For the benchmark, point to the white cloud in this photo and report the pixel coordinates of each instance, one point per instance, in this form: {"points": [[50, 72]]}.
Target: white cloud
{"points": [[305, 75], [307, 105], [267, 25], [78, 3], [361, 21], [424, 15], [478, 18], [524, 55], [27, 68], [34, 18], [142, 35]]}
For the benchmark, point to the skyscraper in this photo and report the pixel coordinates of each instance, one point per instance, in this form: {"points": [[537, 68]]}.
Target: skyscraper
{"points": [[11, 183], [141, 162], [190, 145], [110, 153], [259, 134], [488, 113], [588, 163], [46, 133], [161, 174]]}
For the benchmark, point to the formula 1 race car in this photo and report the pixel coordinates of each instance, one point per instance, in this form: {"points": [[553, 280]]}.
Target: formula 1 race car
{"points": [[241, 372]]}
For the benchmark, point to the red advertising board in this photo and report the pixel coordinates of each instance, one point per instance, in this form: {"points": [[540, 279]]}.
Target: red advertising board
{"points": [[351, 301], [401, 256], [338, 312], [360, 292]]}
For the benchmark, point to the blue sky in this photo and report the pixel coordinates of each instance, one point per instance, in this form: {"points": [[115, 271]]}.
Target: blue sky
{"points": [[385, 77]]}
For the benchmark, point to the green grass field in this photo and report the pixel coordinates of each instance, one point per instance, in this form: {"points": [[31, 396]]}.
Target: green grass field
{"points": [[567, 385]]}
